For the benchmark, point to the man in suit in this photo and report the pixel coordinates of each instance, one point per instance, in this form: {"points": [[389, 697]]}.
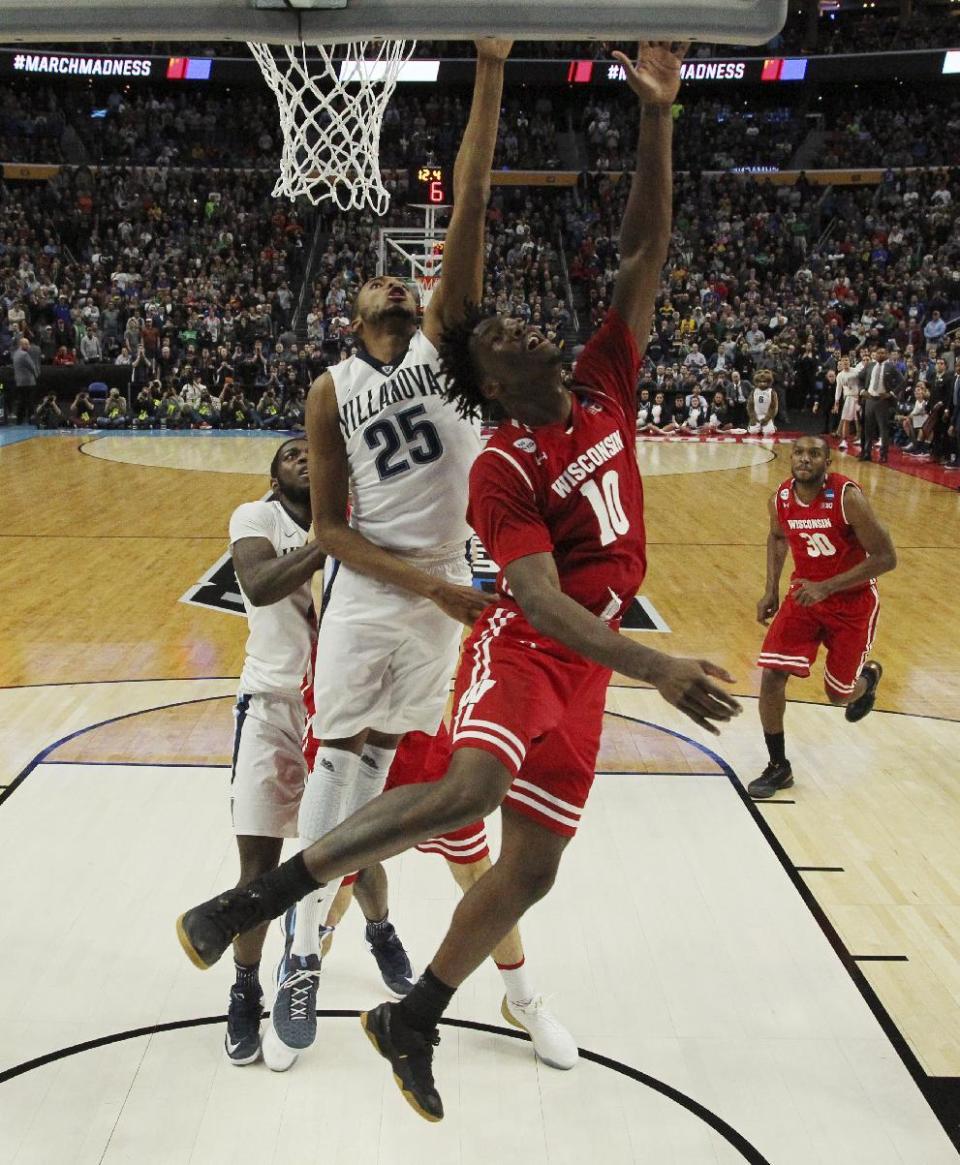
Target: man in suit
{"points": [[26, 373], [881, 381]]}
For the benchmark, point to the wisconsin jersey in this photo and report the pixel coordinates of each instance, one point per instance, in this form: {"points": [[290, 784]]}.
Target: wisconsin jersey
{"points": [[281, 634], [821, 540], [409, 452], [574, 490]]}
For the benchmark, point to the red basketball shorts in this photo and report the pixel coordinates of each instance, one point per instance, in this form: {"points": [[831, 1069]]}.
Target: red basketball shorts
{"points": [[538, 709], [845, 623], [420, 759]]}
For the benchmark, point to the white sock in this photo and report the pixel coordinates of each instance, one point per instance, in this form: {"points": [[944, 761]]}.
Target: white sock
{"points": [[324, 797], [371, 777], [326, 793], [306, 930], [517, 982]]}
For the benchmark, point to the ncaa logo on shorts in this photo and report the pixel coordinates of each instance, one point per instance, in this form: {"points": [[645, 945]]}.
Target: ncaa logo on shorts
{"points": [[526, 445], [784, 494]]}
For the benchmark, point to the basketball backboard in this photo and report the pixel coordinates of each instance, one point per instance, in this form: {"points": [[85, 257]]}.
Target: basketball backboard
{"points": [[280, 22]]}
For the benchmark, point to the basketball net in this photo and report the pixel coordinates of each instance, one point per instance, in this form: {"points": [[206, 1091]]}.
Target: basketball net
{"points": [[331, 111]]}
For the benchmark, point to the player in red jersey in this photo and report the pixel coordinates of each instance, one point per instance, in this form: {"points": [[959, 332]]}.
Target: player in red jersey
{"points": [[558, 502], [839, 548]]}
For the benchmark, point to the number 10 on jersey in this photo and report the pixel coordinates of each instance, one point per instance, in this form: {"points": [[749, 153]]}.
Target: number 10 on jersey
{"points": [[605, 502]]}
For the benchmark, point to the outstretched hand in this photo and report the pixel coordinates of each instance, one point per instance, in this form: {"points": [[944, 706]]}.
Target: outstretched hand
{"points": [[655, 75], [465, 604], [493, 49], [686, 684]]}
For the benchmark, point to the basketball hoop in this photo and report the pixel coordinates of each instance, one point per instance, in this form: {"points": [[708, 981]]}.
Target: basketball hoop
{"points": [[331, 111]]}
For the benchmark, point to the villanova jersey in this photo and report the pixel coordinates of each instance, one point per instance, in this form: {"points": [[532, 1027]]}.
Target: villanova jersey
{"points": [[821, 541], [281, 633], [409, 453]]}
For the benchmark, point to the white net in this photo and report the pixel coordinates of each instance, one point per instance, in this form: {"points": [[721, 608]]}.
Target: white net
{"points": [[332, 100]]}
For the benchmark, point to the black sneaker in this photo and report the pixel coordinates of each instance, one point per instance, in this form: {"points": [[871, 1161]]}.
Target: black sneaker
{"points": [[392, 959], [776, 776], [207, 930], [242, 1041], [857, 709], [411, 1056]]}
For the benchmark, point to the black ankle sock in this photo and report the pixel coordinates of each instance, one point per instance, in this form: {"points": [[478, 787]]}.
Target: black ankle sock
{"points": [[428, 1000], [248, 977], [380, 927], [775, 747], [281, 888]]}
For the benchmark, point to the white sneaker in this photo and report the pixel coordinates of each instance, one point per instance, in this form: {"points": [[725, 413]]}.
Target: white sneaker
{"points": [[276, 1055], [842, 445], [551, 1040]]}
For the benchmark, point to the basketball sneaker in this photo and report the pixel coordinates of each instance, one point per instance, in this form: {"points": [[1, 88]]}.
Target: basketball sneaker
{"points": [[551, 1041], [411, 1057], [857, 709], [242, 1041], [776, 776], [205, 931], [293, 1018], [392, 959]]}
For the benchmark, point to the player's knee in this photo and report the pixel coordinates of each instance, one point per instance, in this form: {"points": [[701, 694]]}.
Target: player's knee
{"points": [[535, 879], [837, 698], [474, 786]]}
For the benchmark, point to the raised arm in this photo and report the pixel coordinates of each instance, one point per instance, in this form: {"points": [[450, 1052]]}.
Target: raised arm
{"points": [[464, 251], [329, 496], [645, 231]]}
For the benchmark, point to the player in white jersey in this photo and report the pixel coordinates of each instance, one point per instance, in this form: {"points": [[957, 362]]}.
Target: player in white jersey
{"points": [[274, 565], [383, 437]]}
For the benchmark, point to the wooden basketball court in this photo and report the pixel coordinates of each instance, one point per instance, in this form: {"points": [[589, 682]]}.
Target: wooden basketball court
{"points": [[775, 982]]}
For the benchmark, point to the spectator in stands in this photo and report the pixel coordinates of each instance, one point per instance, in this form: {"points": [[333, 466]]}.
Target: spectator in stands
{"points": [[934, 328], [91, 351]]}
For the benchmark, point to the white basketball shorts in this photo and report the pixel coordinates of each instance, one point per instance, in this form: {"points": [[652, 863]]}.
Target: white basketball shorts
{"points": [[269, 771], [385, 656]]}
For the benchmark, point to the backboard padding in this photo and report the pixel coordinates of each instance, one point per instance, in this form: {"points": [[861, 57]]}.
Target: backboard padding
{"points": [[719, 21]]}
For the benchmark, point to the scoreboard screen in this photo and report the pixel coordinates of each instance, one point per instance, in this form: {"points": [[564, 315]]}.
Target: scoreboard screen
{"points": [[431, 185]]}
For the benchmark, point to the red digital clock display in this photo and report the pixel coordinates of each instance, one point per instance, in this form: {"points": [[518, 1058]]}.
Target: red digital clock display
{"points": [[431, 185]]}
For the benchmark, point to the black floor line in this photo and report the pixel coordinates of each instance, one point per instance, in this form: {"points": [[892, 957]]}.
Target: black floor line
{"points": [[820, 869], [944, 1101], [880, 958], [718, 1124]]}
